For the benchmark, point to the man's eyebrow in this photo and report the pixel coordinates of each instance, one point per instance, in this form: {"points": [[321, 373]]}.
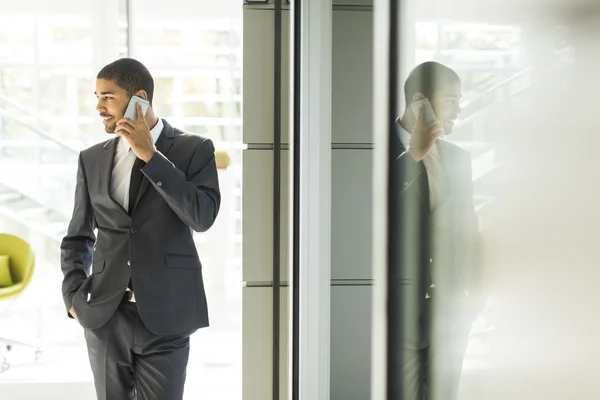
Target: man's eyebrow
{"points": [[103, 93]]}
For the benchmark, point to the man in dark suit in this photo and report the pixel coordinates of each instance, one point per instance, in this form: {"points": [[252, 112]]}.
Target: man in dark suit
{"points": [[438, 232], [132, 276]]}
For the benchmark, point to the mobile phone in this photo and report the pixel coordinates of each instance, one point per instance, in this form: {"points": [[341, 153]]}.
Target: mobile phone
{"points": [[429, 115], [131, 111]]}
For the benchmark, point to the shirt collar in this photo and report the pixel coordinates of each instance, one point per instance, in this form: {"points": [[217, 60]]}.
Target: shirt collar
{"points": [[155, 132], [403, 134]]}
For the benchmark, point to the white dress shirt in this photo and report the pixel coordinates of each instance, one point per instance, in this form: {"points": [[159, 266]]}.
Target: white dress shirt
{"points": [[122, 166], [433, 166]]}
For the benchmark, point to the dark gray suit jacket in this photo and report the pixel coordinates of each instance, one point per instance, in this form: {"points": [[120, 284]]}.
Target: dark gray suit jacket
{"points": [[154, 246], [452, 249]]}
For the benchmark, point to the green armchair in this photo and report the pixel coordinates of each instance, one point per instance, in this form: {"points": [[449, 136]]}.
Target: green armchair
{"points": [[17, 262]]}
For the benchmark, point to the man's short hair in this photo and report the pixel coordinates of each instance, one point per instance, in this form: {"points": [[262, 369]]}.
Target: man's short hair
{"points": [[130, 75], [428, 78]]}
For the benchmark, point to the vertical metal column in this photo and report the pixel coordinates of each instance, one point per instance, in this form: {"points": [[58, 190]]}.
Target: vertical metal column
{"points": [[276, 198], [388, 316], [129, 16], [105, 26], [296, 35], [311, 260]]}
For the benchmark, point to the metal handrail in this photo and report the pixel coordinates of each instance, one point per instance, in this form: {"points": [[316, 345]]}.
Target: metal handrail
{"points": [[509, 80], [507, 97], [495, 87], [12, 103], [5, 113], [39, 144]]}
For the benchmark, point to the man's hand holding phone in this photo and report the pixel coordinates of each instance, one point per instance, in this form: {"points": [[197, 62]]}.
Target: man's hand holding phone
{"points": [[137, 133], [423, 136]]}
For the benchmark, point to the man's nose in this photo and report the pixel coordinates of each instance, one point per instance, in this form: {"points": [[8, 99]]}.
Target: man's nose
{"points": [[100, 107], [458, 109]]}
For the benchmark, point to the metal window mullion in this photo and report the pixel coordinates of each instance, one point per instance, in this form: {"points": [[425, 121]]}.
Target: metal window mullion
{"points": [[276, 197]]}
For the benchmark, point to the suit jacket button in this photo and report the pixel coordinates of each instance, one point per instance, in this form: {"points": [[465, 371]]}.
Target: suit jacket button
{"points": [[159, 183], [129, 263], [134, 230]]}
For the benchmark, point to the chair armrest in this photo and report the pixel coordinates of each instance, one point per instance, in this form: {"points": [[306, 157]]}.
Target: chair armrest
{"points": [[11, 291]]}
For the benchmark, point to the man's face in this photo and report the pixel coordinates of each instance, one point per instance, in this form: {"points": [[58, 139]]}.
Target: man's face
{"points": [[446, 105], [112, 103]]}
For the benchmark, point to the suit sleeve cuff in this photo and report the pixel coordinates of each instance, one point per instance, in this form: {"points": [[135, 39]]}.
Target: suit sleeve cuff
{"points": [[157, 169]]}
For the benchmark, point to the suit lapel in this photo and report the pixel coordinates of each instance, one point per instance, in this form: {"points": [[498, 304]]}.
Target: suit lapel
{"points": [[163, 144], [106, 167]]}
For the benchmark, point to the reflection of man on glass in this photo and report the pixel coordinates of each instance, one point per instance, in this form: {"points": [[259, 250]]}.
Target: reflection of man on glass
{"points": [[132, 277], [439, 232]]}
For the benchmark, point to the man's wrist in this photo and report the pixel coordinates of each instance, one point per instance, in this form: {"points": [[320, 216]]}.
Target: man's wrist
{"points": [[148, 156], [413, 154]]}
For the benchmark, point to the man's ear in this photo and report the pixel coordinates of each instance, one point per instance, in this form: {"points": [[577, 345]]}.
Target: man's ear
{"points": [[142, 94], [417, 96]]}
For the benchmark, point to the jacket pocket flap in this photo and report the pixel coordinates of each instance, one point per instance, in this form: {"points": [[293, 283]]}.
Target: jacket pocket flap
{"points": [[97, 267], [182, 261]]}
